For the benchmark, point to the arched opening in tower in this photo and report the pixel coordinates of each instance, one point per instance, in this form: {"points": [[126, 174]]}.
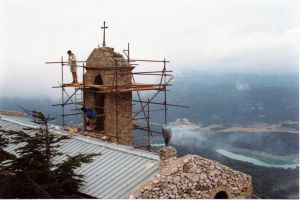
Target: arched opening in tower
{"points": [[221, 195], [99, 105]]}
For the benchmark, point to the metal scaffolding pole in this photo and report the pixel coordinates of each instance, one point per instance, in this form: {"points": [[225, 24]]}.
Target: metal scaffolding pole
{"points": [[165, 92], [148, 126], [83, 91], [117, 107], [62, 92]]}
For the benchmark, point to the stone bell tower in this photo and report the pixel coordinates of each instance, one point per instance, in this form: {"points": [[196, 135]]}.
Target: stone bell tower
{"points": [[107, 76]]}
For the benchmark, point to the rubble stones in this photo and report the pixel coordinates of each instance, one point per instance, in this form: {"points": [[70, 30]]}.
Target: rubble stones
{"points": [[167, 152], [174, 170], [203, 175], [194, 177]]}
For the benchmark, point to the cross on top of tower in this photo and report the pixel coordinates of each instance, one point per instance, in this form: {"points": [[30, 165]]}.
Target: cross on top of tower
{"points": [[103, 27]]}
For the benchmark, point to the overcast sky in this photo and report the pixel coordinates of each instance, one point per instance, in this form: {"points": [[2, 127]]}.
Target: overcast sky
{"points": [[248, 36]]}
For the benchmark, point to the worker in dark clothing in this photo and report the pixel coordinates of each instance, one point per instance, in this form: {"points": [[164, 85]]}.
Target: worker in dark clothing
{"points": [[167, 134], [91, 116]]}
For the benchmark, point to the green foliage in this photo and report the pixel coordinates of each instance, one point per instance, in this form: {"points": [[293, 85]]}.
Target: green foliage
{"points": [[3, 143], [33, 171], [65, 171], [3, 140]]}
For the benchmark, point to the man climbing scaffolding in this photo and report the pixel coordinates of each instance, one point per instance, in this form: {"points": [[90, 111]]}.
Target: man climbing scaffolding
{"points": [[73, 65], [91, 117]]}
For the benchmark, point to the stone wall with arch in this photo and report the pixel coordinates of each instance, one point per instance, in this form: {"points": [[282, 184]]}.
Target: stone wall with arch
{"points": [[192, 177], [108, 68]]}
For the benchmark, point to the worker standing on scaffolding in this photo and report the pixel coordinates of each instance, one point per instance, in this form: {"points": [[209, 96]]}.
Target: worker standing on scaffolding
{"points": [[73, 65]]}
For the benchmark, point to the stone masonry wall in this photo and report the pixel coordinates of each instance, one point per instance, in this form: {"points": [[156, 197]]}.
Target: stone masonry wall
{"points": [[194, 177], [103, 62], [121, 132]]}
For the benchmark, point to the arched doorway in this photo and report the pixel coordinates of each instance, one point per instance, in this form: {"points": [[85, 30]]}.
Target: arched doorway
{"points": [[99, 105], [221, 195]]}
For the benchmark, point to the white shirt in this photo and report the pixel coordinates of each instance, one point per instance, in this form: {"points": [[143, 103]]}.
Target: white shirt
{"points": [[72, 59]]}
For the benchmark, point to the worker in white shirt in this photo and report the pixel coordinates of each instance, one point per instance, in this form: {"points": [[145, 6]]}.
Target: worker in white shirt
{"points": [[73, 65]]}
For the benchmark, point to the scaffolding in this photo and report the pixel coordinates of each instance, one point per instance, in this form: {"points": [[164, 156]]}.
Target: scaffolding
{"points": [[142, 123]]}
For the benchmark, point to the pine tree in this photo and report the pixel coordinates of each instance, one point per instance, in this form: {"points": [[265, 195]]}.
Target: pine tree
{"points": [[3, 144], [33, 168], [65, 171]]}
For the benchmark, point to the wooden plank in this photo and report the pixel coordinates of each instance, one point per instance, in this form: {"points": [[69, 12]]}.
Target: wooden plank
{"points": [[110, 88], [12, 113], [79, 85]]}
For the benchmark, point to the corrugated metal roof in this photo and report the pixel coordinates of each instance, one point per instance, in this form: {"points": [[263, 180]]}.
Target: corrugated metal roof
{"points": [[114, 174]]}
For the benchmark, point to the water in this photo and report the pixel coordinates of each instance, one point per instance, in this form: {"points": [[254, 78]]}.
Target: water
{"points": [[258, 160]]}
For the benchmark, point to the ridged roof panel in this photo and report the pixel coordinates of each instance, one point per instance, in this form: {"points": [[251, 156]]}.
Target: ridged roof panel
{"points": [[115, 173]]}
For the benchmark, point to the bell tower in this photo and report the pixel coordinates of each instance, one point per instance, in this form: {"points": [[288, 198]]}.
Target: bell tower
{"points": [[107, 72], [107, 86]]}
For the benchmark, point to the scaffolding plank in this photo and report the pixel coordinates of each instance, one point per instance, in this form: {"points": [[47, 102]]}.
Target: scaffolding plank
{"points": [[121, 88], [76, 85], [134, 85], [127, 90]]}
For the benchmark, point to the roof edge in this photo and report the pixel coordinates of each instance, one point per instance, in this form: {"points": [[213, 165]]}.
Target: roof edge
{"points": [[118, 147]]}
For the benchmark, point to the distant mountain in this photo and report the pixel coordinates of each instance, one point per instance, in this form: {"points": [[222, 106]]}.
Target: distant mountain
{"points": [[235, 98], [213, 99], [275, 80], [39, 104]]}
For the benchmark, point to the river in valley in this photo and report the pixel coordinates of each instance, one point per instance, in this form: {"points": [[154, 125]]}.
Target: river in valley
{"points": [[257, 159]]}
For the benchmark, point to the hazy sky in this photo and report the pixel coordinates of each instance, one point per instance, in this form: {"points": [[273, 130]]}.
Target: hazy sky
{"points": [[223, 35]]}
